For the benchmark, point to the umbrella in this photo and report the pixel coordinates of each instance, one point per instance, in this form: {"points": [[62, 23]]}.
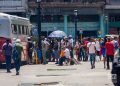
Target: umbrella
{"points": [[57, 34]]}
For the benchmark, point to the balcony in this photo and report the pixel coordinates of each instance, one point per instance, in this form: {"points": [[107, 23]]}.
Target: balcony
{"points": [[33, 4]]}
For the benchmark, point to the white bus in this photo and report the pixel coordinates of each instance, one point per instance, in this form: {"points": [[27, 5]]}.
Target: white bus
{"points": [[14, 27]]}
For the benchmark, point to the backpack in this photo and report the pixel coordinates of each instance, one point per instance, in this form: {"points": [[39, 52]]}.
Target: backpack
{"points": [[15, 53], [116, 45], [7, 49]]}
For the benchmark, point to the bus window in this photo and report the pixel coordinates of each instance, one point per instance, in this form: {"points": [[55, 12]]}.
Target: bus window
{"points": [[14, 29], [19, 29], [26, 30], [23, 30], [30, 32]]}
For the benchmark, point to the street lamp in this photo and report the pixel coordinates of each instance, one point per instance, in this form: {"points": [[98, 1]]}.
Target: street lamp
{"points": [[39, 23], [75, 13], [106, 20]]}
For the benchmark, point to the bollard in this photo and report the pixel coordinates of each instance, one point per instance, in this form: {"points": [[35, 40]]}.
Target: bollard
{"points": [[36, 58]]}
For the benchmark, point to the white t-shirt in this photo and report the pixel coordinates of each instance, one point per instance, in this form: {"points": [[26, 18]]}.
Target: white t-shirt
{"points": [[67, 53], [97, 45], [91, 47]]}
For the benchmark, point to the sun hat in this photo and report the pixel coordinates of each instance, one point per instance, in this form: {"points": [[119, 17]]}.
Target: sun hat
{"points": [[18, 40]]}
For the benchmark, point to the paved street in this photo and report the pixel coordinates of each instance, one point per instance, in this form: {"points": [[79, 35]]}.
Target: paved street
{"points": [[76, 75]]}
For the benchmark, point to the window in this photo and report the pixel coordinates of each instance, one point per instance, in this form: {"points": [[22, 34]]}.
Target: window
{"points": [[23, 30], [19, 29], [27, 30], [14, 29]]}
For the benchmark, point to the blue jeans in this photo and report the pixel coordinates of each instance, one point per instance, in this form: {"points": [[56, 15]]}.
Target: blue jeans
{"points": [[92, 58], [8, 62], [17, 64], [56, 52]]}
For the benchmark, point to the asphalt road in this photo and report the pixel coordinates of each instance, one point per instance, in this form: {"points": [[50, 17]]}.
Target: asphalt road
{"points": [[52, 75]]}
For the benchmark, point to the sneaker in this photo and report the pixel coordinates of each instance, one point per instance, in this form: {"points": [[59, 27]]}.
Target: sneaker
{"points": [[56, 63], [8, 71], [17, 73], [92, 67]]}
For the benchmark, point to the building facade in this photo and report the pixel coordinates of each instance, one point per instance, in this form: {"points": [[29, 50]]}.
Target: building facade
{"points": [[14, 7], [112, 9], [95, 17]]}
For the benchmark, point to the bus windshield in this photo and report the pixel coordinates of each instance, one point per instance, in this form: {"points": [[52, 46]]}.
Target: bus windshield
{"points": [[4, 29]]}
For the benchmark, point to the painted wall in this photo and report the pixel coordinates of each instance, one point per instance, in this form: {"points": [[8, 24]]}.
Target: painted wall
{"points": [[85, 26]]}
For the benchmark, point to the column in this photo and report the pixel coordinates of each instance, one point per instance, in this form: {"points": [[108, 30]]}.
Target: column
{"points": [[102, 25], [65, 24], [107, 23]]}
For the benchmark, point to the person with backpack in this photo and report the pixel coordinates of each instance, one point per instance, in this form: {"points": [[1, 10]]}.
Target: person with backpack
{"points": [[115, 42], [17, 53], [7, 51]]}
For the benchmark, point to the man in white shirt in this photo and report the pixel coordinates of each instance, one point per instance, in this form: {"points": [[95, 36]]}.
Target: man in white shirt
{"points": [[92, 52], [45, 46]]}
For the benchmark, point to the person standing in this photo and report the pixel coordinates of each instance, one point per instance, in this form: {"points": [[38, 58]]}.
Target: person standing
{"points": [[30, 50], [76, 50], [103, 50], [56, 51], [109, 51], [7, 51], [84, 49], [45, 45], [17, 53], [115, 42], [71, 40], [92, 52], [98, 47]]}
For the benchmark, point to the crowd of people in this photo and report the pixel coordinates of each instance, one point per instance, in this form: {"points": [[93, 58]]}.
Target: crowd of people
{"points": [[68, 51], [64, 51]]}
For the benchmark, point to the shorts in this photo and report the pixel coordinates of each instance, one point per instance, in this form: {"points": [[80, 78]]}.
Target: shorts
{"points": [[104, 52]]}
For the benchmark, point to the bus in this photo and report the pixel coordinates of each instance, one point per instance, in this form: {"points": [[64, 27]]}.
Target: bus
{"points": [[14, 27]]}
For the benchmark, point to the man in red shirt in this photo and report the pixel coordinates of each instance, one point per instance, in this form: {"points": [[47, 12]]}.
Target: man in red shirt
{"points": [[109, 51]]}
